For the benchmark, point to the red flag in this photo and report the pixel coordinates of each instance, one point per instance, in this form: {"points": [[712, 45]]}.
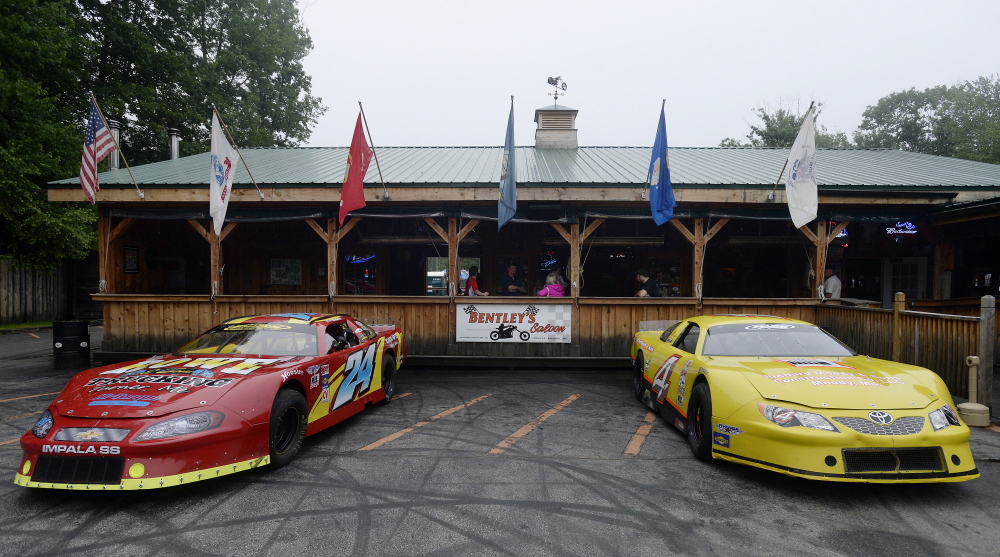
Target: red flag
{"points": [[352, 195]]}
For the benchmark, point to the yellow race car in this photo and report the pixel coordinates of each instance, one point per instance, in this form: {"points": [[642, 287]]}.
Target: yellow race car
{"points": [[784, 395]]}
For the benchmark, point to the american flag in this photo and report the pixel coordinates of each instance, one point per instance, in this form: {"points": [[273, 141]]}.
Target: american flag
{"points": [[96, 145]]}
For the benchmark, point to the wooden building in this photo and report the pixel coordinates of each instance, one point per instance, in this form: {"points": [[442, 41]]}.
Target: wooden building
{"points": [[889, 221]]}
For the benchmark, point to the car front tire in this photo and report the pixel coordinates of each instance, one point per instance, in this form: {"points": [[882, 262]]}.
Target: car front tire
{"points": [[289, 415], [699, 422], [637, 376]]}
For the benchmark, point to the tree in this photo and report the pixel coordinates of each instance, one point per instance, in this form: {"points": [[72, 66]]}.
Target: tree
{"points": [[42, 58], [162, 64], [780, 126], [954, 121]]}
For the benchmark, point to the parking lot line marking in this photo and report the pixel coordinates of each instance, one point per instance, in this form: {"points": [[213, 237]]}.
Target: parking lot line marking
{"points": [[437, 416], [400, 396], [29, 396], [34, 335], [20, 416], [506, 443], [640, 435], [9, 441]]}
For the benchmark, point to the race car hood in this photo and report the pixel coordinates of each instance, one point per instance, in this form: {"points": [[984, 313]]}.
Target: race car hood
{"points": [[844, 383], [160, 385]]}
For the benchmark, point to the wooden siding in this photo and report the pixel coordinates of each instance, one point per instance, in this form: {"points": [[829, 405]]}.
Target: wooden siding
{"points": [[28, 295]]}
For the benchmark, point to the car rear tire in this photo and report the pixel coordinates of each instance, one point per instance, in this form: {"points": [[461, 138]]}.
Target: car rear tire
{"points": [[388, 377], [637, 376], [699, 422], [289, 415]]}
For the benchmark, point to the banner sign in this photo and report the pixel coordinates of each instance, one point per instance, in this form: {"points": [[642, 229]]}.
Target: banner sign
{"points": [[487, 322]]}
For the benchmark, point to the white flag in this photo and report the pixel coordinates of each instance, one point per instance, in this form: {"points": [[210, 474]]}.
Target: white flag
{"points": [[800, 184], [223, 168]]}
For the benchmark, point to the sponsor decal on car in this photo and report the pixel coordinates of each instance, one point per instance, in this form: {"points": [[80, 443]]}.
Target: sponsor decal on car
{"points": [[843, 378], [644, 345], [814, 362], [682, 382], [768, 327], [196, 366], [290, 373], [729, 429], [155, 379], [122, 399], [720, 439]]}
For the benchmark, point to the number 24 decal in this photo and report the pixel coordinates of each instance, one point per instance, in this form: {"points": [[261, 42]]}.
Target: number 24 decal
{"points": [[358, 370]]}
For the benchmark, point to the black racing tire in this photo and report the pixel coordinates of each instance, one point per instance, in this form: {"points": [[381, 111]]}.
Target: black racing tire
{"points": [[388, 378], [699, 422], [289, 416], [637, 376], [525, 336]]}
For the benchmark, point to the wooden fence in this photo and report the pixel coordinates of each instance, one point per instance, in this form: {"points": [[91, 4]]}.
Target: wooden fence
{"points": [[28, 295], [603, 327], [935, 341]]}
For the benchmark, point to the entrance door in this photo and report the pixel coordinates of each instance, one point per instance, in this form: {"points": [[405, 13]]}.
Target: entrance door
{"points": [[904, 274]]}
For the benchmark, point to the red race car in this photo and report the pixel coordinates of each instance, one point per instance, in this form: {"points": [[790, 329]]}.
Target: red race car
{"points": [[241, 396]]}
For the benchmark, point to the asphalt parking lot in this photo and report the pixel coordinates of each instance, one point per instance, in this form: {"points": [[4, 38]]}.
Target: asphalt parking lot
{"points": [[486, 462]]}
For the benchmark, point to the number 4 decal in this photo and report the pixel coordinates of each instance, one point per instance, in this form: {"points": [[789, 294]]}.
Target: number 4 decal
{"points": [[358, 376], [662, 380]]}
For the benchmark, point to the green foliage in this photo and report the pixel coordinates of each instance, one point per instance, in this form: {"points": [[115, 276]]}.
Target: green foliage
{"points": [[163, 63], [40, 139], [957, 121], [153, 65], [780, 126]]}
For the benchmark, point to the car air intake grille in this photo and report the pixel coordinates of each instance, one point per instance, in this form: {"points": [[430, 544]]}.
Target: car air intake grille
{"points": [[78, 470], [903, 426], [921, 459]]}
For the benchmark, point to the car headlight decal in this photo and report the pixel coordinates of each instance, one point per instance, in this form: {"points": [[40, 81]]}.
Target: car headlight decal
{"points": [[786, 417], [182, 425], [943, 417], [43, 425]]}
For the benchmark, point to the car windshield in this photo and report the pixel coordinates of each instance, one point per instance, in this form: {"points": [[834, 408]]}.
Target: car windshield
{"points": [[772, 339], [268, 339]]}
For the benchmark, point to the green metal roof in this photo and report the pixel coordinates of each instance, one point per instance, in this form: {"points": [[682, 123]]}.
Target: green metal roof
{"points": [[715, 167]]}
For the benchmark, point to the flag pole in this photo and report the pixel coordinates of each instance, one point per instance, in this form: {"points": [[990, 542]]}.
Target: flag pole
{"points": [[385, 193], [770, 196], [233, 143], [120, 152], [649, 174]]}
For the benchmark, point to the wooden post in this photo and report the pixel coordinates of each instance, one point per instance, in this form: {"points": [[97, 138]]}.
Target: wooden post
{"points": [[103, 247], [899, 305], [699, 240], [821, 241], [987, 336], [215, 251]]}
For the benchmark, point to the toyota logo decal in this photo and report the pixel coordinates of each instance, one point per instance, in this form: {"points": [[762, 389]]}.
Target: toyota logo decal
{"points": [[880, 417]]}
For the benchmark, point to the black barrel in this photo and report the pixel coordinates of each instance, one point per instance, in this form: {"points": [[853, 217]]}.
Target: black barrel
{"points": [[71, 344]]}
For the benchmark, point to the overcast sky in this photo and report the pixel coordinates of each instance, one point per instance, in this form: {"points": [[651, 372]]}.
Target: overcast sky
{"points": [[441, 72]]}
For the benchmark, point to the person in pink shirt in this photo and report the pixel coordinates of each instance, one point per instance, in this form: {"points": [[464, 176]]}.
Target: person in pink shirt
{"points": [[552, 287]]}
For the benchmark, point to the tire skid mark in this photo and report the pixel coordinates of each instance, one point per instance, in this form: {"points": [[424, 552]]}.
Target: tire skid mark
{"points": [[428, 421]]}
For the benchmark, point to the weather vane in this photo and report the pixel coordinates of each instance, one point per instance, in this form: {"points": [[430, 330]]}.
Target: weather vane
{"points": [[559, 84]]}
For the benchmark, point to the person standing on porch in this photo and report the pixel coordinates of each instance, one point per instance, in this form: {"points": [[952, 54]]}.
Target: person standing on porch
{"points": [[649, 287], [831, 285], [510, 285], [472, 284]]}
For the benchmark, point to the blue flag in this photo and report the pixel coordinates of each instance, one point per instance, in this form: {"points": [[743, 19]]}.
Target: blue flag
{"points": [[507, 205], [661, 194]]}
